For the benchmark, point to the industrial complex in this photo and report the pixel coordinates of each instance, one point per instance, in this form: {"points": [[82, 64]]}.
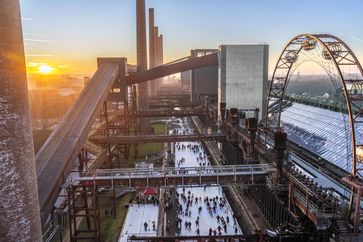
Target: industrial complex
{"points": [[226, 153]]}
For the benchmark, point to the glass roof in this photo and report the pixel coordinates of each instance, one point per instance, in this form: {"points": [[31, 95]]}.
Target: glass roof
{"points": [[323, 132]]}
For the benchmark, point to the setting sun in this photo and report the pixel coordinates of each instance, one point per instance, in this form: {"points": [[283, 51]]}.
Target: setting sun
{"points": [[45, 69]]}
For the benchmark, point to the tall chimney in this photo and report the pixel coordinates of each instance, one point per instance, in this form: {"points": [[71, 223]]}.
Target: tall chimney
{"points": [[153, 87], [161, 50], [160, 56], [19, 209], [143, 88], [156, 45], [151, 39], [156, 50], [141, 36]]}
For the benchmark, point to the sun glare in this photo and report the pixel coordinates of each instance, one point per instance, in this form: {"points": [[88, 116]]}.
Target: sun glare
{"points": [[45, 69]]}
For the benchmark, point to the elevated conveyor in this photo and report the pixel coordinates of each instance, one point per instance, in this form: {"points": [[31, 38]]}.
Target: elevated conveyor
{"points": [[171, 113], [174, 67], [143, 139], [62, 147], [55, 159], [173, 176]]}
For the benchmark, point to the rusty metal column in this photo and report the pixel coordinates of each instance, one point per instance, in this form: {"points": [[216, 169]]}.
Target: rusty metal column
{"points": [[143, 88], [252, 129], [280, 138], [20, 215]]}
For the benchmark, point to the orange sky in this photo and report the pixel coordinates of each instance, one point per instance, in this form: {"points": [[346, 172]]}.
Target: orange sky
{"points": [[69, 35]]}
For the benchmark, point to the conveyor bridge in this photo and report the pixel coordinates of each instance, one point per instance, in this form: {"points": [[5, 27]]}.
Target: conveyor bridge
{"points": [[56, 157], [171, 113], [182, 176], [143, 139]]}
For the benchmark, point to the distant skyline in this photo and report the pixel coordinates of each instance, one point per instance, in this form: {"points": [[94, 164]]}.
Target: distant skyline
{"points": [[69, 35]]}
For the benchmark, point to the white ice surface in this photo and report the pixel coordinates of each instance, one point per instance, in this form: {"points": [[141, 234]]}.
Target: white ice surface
{"points": [[136, 216], [206, 221]]}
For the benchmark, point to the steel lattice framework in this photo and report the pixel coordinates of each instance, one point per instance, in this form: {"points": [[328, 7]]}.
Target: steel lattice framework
{"points": [[348, 72]]}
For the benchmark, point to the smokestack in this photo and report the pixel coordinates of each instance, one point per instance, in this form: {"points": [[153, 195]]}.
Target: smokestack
{"points": [[160, 56], [153, 87], [161, 50], [151, 39], [20, 215], [156, 45], [156, 50], [141, 36], [142, 89]]}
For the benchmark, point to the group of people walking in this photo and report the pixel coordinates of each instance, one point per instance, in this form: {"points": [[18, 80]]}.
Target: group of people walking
{"points": [[194, 204], [215, 205]]}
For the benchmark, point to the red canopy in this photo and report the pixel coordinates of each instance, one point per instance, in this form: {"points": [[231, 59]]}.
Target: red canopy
{"points": [[150, 191]]}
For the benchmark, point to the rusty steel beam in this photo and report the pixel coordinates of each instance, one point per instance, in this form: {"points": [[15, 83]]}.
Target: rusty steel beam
{"points": [[172, 176], [168, 105], [172, 68], [143, 139], [254, 237], [171, 113]]}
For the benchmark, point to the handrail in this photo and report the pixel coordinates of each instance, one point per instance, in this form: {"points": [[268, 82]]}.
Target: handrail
{"points": [[177, 171]]}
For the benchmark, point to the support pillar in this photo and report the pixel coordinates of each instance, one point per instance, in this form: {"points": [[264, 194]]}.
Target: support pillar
{"points": [[280, 146], [290, 198], [20, 213], [251, 125], [357, 188]]}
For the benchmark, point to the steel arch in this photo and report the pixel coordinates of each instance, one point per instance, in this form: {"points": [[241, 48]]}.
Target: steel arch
{"points": [[335, 50]]}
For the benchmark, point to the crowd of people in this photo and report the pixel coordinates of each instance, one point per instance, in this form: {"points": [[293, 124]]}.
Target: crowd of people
{"points": [[216, 207], [202, 159], [142, 200], [200, 210]]}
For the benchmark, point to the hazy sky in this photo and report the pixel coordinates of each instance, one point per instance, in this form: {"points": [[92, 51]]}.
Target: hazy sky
{"points": [[70, 34]]}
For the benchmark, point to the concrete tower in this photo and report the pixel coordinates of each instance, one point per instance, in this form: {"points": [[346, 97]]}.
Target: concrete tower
{"points": [[19, 205], [161, 50], [153, 87], [151, 38], [156, 51], [160, 56], [142, 89], [156, 45]]}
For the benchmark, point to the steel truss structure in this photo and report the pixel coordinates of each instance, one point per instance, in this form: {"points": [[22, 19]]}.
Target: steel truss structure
{"points": [[172, 176], [331, 51], [346, 73]]}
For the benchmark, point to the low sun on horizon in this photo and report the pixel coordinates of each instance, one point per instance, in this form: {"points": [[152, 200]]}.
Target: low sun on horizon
{"points": [[45, 69]]}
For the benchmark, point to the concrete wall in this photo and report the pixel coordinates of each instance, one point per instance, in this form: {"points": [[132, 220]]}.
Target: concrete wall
{"points": [[242, 81], [19, 204], [203, 80], [185, 78]]}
